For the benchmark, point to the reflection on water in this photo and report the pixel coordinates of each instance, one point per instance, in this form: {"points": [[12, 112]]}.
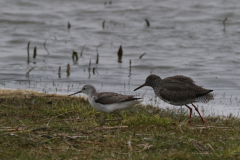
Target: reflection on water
{"points": [[191, 38]]}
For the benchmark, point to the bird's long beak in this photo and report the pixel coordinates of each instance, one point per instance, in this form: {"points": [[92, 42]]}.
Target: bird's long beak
{"points": [[75, 93], [140, 87]]}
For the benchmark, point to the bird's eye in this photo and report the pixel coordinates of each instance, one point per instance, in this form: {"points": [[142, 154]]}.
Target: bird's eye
{"points": [[84, 88]]}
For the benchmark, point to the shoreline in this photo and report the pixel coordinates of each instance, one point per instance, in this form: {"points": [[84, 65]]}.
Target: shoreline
{"points": [[205, 109]]}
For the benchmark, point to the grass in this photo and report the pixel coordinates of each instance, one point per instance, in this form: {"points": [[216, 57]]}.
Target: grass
{"points": [[43, 126]]}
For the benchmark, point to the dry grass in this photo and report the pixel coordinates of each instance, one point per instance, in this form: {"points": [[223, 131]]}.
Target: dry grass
{"points": [[43, 126]]}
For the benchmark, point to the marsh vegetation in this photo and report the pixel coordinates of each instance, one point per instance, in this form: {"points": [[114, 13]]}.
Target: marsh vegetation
{"points": [[49, 126]]}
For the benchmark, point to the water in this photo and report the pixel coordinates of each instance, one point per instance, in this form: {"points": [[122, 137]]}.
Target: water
{"points": [[184, 38]]}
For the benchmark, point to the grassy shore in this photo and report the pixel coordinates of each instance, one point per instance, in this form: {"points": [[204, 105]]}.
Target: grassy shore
{"points": [[47, 126]]}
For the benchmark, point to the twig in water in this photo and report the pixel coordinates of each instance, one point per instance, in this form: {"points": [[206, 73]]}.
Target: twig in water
{"points": [[54, 37], [69, 25], [44, 44], [82, 51], [89, 65], [120, 53], [59, 72], [28, 51], [151, 71], [147, 22], [224, 24], [89, 69], [98, 46], [27, 74], [68, 70], [103, 24], [97, 53], [97, 58], [34, 52], [130, 68], [74, 56], [140, 57]]}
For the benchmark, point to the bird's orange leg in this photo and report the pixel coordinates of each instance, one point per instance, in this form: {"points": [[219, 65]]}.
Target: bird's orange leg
{"points": [[198, 113], [189, 121]]}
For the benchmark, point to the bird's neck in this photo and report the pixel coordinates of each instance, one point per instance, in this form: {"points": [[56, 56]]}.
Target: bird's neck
{"points": [[156, 82], [92, 93]]}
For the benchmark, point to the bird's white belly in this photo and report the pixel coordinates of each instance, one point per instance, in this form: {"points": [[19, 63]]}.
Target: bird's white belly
{"points": [[108, 108]]}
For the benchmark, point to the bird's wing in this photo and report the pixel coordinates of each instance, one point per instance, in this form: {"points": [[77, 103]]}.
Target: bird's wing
{"points": [[110, 97], [176, 96], [179, 78], [182, 92]]}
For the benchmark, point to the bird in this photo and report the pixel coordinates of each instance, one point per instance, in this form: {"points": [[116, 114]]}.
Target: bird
{"points": [[179, 90], [108, 102]]}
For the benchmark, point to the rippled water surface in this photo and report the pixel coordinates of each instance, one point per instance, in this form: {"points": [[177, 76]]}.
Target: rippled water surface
{"points": [[184, 38]]}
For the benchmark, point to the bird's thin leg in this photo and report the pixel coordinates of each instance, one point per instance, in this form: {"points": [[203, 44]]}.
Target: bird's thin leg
{"points": [[189, 121], [119, 119], [104, 121], [198, 113]]}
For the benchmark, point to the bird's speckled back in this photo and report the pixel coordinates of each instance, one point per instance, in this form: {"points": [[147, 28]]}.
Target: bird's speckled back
{"points": [[181, 90]]}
